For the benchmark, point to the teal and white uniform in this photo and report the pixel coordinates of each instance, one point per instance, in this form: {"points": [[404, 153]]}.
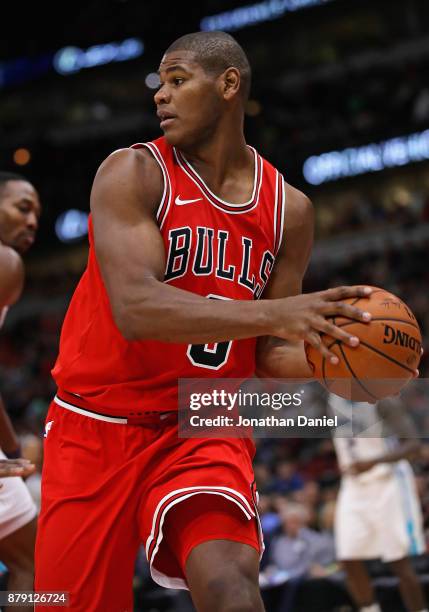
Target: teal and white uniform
{"points": [[378, 512]]}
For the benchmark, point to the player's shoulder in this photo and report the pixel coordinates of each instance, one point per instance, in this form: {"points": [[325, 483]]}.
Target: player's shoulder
{"points": [[12, 275], [298, 205], [128, 179], [296, 200], [130, 160], [132, 172]]}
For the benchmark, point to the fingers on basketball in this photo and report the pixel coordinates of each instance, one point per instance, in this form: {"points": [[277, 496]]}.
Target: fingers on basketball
{"points": [[388, 354]]}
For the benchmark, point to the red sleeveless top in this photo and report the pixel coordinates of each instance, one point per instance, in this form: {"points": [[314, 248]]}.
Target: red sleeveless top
{"points": [[215, 249]]}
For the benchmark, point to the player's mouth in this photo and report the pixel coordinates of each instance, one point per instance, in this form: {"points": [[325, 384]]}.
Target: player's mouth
{"points": [[166, 118], [28, 239]]}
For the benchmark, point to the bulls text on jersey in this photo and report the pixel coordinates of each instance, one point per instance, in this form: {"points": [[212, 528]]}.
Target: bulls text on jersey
{"points": [[208, 260]]}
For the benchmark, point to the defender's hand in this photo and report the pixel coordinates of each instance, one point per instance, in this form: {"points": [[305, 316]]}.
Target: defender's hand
{"points": [[16, 467], [358, 467]]}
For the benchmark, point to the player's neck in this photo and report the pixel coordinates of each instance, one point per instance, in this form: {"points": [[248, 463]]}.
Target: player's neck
{"points": [[220, 157]]}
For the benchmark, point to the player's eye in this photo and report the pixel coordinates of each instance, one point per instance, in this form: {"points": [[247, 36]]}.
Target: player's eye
{"points": [[178, 80]]}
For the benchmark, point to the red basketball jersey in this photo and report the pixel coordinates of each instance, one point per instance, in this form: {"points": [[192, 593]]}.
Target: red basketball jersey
{"points": [[215, 249]]}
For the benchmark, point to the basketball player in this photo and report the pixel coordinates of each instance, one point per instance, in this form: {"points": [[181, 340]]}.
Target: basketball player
{"points": [[378, 511], [19, 213], [185, 233]]}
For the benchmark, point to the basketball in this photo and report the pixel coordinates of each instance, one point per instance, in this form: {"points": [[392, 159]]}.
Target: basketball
{"points": [[387, 355]]}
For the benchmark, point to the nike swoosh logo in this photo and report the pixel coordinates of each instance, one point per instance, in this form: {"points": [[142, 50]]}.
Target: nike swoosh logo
{"points": [[181, 202]]}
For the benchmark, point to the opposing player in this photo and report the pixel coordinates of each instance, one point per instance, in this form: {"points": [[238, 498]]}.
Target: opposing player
{"points": [[187, 234], [378, 512], [19, 213]]}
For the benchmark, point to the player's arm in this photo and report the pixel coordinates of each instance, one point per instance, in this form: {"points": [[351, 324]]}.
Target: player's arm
{"points": [[130, 251], [12, 276], [398, 421], [11, 284], [8, 440], [277, 358]]}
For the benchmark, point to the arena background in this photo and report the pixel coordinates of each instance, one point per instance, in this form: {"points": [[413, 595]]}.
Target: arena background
{"points": [[339, 103]]}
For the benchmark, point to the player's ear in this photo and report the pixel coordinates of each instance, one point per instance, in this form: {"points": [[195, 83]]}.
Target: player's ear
{"points": [[230, 82]]}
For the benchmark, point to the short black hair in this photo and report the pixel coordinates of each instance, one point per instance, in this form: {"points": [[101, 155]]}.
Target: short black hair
{"points": [[215, 52], [5, 177]]}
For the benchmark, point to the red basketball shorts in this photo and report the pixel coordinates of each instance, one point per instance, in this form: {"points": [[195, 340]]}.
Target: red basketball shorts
{"points": [[109, 487]]}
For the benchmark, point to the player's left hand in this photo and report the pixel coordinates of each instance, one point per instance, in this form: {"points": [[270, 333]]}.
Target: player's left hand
{"points": [[358, 467], [16, 467]]}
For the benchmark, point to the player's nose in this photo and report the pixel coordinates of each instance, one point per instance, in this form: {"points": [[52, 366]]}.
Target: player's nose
{"points": [[32, 221], [162, 96]]}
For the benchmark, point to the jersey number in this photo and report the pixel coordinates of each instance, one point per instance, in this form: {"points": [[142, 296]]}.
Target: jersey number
{"points": [[208, 356]]}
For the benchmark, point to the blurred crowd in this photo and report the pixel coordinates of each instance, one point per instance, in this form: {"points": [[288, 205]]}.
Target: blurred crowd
{"points": [[376, 101], [393, 204]]}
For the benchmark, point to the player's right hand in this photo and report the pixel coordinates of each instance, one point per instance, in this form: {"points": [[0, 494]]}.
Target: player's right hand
{"points": [[306, 317], [16, 467]]}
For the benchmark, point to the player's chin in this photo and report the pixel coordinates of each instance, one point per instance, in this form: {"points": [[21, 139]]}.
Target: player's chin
{"points": [[180, 137], [173, 135], [22, 246]]}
